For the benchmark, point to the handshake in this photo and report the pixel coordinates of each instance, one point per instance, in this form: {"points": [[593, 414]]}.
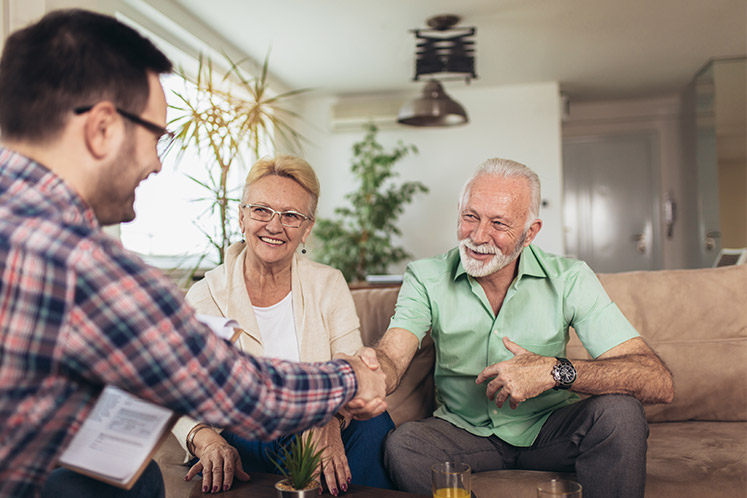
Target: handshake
{"points": [[369, 399]]}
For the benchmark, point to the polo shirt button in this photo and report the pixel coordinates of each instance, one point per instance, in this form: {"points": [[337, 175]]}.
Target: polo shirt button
{"points": [[495, 332], [495, 412]]}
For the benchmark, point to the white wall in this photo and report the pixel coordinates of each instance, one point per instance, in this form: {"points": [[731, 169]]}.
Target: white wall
{"points": [[516, 122]]}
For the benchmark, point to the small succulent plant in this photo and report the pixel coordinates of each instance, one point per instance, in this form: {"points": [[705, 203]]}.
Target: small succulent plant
{"points": [[299, 461]]}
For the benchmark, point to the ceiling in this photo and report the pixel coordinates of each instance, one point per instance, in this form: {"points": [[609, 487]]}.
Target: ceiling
{"points": [[595, 49]]}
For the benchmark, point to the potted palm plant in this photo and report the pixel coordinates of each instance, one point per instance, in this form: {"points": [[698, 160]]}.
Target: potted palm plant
{"points": [[299, 463], [223, 117]]}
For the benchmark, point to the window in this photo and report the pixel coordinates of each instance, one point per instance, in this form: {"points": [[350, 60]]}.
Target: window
{"points": [[173, 210], [175, 220]]}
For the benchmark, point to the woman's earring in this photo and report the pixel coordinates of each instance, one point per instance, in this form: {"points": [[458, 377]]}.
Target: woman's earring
{"points": [[303, 251]]}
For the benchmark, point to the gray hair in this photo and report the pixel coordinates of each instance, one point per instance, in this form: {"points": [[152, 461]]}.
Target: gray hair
{"points": [[505, 168]]}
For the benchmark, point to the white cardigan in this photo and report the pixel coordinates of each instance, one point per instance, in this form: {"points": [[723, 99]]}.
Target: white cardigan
{"points": [[323, 309]]}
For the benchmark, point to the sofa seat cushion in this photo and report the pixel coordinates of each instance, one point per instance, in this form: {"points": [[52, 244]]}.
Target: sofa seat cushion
{"points": [[696, 459]]}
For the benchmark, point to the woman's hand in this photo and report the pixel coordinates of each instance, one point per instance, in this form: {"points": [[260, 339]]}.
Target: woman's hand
{"points": [[219, 462], [334, 462]]}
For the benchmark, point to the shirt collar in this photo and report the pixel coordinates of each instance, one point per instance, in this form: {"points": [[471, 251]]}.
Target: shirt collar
{"points": [[529, 264], [54, 193], [458, 268]]}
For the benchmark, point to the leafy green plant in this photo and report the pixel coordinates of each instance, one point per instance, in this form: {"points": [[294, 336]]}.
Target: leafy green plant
{"points": [[298, 461], [225, 117], [359, 241]]}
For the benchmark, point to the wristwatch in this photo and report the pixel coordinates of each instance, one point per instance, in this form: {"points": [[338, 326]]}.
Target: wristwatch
{"points": [[564, 373]]}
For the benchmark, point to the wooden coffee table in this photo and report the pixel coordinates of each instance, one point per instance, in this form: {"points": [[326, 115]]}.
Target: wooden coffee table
{"points": [[263, 486]]}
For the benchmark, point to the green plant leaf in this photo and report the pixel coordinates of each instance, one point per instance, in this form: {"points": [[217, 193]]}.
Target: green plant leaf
{"points": [[298, 461]]}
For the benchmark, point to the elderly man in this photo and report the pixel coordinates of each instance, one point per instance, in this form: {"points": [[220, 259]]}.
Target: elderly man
{"points": [[81, 114], [499, 310]]}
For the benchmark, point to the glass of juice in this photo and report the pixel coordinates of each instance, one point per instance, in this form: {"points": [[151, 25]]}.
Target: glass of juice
{"points": [[451, 480]]}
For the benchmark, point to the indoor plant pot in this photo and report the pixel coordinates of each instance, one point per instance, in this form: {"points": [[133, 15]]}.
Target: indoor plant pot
{"points": [[299, 463], [286, 490]]}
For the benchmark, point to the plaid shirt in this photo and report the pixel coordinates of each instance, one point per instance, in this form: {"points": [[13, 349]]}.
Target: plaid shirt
{"points": [[77, 311]]}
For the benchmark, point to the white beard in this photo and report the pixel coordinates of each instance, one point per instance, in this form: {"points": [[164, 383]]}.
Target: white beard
{"points": [[476, 268]]}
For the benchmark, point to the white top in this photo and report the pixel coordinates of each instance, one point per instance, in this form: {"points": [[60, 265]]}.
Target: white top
{"points": [[278, 329]]}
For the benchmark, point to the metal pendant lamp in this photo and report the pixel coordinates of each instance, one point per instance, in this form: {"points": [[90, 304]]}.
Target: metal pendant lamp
{"points": [[432, 108], [445, 50]]}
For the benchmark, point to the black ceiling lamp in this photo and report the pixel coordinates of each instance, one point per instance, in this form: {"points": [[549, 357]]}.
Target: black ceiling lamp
{"points": [[446, 50]]}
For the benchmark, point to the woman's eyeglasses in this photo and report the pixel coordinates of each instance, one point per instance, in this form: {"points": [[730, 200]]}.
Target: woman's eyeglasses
{"points": [[290, 219]]}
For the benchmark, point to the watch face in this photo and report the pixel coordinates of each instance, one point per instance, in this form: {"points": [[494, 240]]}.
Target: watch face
{"points": [[566, 374]]}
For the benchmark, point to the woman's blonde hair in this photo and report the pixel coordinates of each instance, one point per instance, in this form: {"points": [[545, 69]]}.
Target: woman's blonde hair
{"points": [[287, 166]]}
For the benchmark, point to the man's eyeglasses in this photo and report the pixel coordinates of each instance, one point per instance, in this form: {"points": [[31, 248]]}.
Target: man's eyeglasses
{"points": [[290, 219], [165, 137]]}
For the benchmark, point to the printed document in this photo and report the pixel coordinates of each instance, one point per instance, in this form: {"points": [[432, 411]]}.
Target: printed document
{"points": [[117, 440]]}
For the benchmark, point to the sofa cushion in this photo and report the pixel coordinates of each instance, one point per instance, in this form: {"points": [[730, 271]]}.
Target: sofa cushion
{"points": [[375, 307], [696, 459], [696, 320], [414, 398]]}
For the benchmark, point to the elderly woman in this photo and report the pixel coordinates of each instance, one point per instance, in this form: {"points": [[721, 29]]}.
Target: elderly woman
{"points": [[291, 308]]}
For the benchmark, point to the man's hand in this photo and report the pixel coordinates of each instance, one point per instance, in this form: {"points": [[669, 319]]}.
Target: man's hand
{"points": [[369, 401], [368, 355], [392, 355], [524, 376]]}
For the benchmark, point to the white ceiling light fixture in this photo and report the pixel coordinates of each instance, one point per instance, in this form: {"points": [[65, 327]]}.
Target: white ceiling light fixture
{"points": [[447, 50]]}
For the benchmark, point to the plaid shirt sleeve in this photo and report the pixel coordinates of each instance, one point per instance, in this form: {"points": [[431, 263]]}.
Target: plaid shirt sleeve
{"points": [[129, 326]]}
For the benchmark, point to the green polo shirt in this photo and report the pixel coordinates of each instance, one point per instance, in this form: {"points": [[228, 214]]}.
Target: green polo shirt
{"points": [[550, 294]]}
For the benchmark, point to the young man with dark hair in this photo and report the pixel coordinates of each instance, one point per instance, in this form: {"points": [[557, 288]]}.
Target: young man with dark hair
{"points": [[81, 114], [68, 60]]}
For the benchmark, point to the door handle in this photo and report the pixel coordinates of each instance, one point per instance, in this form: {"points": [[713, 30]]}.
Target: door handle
{"points": [[710, 240], [640, 240]]}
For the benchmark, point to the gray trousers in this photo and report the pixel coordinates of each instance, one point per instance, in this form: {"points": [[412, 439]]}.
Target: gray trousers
{"points": [[602, 439]]}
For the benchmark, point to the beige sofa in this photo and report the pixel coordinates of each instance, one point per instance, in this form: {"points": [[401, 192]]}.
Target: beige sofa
{"points": [[695, 319]]}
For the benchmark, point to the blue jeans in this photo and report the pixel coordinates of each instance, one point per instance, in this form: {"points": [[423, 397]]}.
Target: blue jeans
{"points": [[64, 483], [364, 448]]}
